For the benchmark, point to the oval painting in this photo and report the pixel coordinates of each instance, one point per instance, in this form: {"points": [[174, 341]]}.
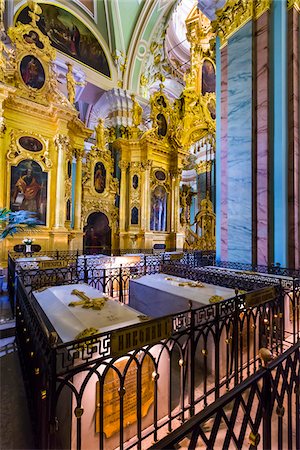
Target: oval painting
{"points": [[30, 143], [160, 175], [208, 77], [32, 72], [99, 177]]}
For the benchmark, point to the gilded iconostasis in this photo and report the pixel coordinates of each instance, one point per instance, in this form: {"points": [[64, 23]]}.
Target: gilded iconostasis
{"points": [[100, 162]]}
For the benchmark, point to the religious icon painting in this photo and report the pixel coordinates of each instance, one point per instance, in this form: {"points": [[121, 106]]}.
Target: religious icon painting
{"points": [[208, 77], [135, 181], [160, 175], [28, 189], [134, 216], [33, 38], [211, 105], [158, 218], [68, 34], [161, 125], [99, 177], [30, 143], [32, 72]]}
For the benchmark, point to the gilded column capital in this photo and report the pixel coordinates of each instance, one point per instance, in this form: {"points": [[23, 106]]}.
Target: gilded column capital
{"points": [[237, 13], [78, 153], [62, 142], [147, 165], [135, 166], [123, 165], [294, 4], [175, 173]]}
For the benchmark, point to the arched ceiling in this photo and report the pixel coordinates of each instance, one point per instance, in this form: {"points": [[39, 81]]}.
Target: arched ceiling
{"points": [[138, 36]]}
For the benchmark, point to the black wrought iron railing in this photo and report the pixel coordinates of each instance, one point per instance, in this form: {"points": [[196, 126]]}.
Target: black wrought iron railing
{"points": [[149, 391], [262, 413]]}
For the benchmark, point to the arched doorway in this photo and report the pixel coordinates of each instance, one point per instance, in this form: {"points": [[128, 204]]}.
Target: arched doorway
{"points": [[97, 238]]}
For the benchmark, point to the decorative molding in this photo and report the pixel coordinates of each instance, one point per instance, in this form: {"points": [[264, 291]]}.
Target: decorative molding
{"points": [[62, 142], [235, 14], [78, 153], [294, 4], [16, 152], [203, 167], [123, 165]]}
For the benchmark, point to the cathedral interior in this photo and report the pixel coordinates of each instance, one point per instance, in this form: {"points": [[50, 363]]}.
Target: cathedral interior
{"points": [[147, 138]]}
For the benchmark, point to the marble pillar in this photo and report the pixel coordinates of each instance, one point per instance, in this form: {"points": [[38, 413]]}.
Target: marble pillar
{"points": [[223, 153], [239, 142], [262, 139], [293, 139]]}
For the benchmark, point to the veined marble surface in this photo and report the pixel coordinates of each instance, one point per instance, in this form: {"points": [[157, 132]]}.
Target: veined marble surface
{"points": [[293, 138], [224, 150], [69, 321], [262, 100], [239, 160]]}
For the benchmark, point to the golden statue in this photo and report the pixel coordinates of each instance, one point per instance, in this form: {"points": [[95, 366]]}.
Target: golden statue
{"points": [[137, 111], [71, 83], [186, 198], [100, 134]]}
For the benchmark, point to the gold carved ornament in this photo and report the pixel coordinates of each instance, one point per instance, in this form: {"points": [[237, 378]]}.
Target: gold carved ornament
{"points": [[29, 42], [237, 13], [294, 4], [17, 153]]}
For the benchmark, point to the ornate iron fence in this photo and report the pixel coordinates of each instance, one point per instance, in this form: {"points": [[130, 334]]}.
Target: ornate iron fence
{"points": [[76, 385], [263, 412]]}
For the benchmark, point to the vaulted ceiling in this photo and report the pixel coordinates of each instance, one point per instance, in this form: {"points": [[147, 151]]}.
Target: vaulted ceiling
{"points": [[139, 38]]}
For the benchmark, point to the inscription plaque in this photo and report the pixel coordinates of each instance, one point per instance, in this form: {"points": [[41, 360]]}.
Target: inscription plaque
{"points": [[112, 395]]}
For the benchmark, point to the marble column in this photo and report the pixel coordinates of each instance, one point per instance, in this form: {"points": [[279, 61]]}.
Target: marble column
{"points": [[78, 189], [293, 139], [239, 140], [262, 138], [222, 154], [62, 143]]}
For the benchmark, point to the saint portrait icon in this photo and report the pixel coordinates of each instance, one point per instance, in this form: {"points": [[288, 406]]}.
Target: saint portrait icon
{"points": [[99, 177], [30, 143], [29, 189], [208, 77], [32, 72]]}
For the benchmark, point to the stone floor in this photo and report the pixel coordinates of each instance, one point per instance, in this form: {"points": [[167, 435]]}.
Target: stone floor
{"points": [[15, 426]]}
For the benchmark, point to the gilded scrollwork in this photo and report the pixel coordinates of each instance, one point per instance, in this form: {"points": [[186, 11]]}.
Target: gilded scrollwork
{"points": [[79, 153], [203, 167], [123, 165], [99, 186], [235, 14], [62, 142], [110, 210], [16, 151], [294, 4], [205, 220]]}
